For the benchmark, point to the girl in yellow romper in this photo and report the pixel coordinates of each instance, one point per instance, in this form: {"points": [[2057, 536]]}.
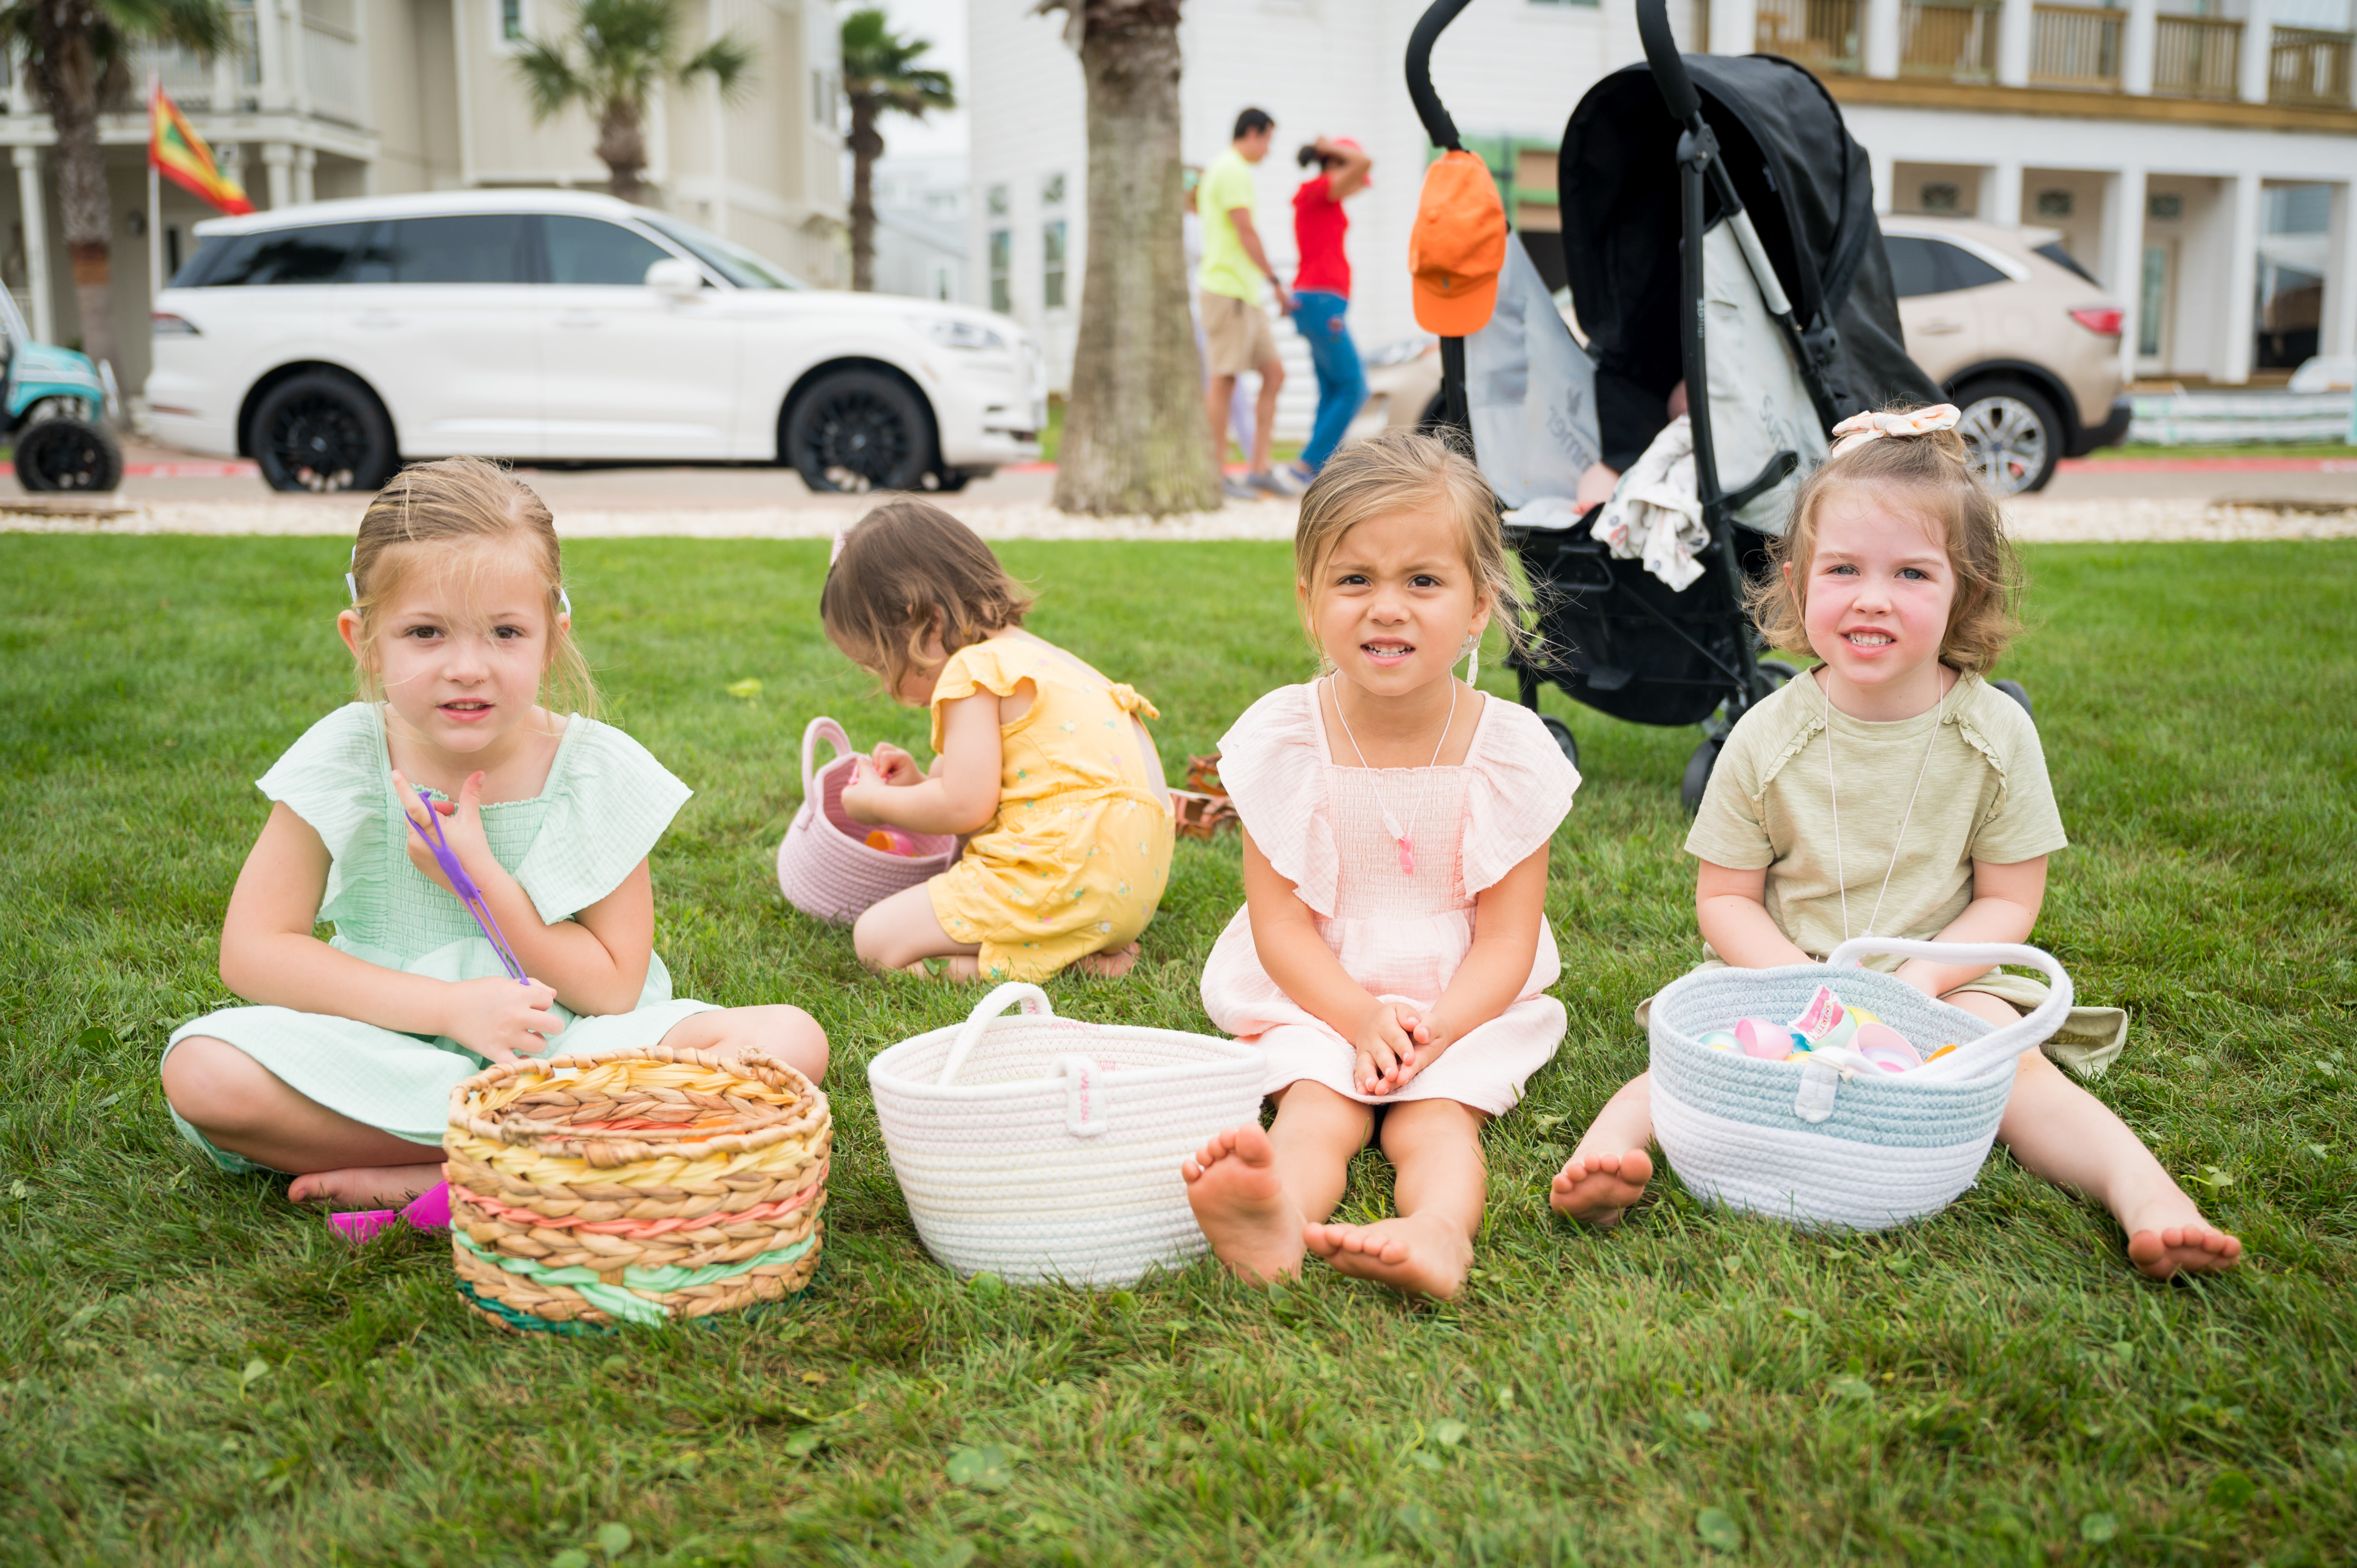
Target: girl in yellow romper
{"points": [[1040, 762]]}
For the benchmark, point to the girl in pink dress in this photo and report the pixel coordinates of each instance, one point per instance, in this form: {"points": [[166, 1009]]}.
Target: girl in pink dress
{"points": [[1393, 955]]}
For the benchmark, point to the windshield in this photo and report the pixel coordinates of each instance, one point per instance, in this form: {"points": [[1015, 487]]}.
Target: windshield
{"points": [[735, 263]]}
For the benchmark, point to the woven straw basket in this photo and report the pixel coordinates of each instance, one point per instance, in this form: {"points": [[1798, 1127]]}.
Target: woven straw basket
{"points": [[825, 866], [1045, 1148], [634, 1186], [1814, 1143]]}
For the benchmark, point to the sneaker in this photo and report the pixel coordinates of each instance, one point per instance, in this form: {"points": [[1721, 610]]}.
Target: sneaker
{"points": [[1235, 489], [1280, 484]]}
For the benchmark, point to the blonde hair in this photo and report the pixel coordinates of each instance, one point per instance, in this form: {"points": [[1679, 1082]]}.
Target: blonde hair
{"points": [[1932, 475], [908, 571], [460, 504], [1397, 469]]}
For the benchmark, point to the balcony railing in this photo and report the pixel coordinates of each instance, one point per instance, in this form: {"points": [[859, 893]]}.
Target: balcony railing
{"points": [[2308, 67], [2195, 56], [2075, 46], [1952, 38], [1821, 34]]}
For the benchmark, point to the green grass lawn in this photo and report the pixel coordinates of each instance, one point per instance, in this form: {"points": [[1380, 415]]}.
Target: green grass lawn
{"points": [[191, 1372]]}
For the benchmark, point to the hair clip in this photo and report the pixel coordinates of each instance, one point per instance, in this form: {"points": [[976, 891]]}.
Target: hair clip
{"points": [[1873, 425], [564, 600], [834, 552], [352, 584]]}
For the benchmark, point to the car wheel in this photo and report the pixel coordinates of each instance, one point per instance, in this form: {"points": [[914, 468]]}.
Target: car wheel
{"points": [[953, 481], [59, 407], [2013, 434], [320, 431], [859, 430], [1565, 740], [61, 453]]}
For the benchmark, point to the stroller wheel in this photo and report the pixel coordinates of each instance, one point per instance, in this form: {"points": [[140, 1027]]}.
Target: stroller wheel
{"points": [[1563, 737], [1774, 672], [2018, 692], [1697, 778]]}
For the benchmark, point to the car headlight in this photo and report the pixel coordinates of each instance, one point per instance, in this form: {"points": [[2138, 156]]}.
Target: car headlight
{"points": [[952, 334], [1401, 352]]}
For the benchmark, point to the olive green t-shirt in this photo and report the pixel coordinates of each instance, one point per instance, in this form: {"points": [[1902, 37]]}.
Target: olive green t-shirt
{"points": [[1985, 797]]}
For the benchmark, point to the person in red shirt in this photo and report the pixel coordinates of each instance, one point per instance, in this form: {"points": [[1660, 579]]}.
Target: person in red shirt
{"points": [[1321, 292]]}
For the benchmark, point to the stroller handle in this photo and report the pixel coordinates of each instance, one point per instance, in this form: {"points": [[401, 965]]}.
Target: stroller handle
{"points": [[1662, 55], [1428, 107]]}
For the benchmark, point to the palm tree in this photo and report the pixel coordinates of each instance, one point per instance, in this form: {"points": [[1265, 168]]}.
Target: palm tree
{"points": [[880, 75], [1134, 426], [628, 49], [78, 55]]}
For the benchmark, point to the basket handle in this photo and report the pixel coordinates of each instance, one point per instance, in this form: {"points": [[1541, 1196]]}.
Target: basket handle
{"points": [[2001, 1045], [818, 729], [1034, 1002], [1088, 1098]]}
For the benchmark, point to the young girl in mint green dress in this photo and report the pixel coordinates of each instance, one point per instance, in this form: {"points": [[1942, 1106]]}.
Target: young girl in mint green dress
{"points": [[340, 1072]]}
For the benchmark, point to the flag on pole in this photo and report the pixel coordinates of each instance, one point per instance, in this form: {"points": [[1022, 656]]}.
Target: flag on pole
{"points": [[175, 150]]}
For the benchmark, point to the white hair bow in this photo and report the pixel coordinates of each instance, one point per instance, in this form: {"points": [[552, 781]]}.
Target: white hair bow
{"points": [[834, 553], [1860, 428]]}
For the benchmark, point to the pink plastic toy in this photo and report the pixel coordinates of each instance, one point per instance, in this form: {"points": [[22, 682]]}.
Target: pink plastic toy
{"points": [[1768, 1042], [429, 1210], [892, 841], [1886, 1047]]}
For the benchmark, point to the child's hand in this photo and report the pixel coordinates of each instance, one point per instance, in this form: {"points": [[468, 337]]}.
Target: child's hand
{"points": [[462, 826], [502, 1020], [895, 766], [864, 797], [1386, 1048]]}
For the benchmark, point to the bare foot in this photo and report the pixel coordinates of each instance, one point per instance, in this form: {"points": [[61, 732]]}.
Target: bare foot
{"points": [[2191, 1246], [1417, 1254], [1107, 965], [1598, 1187], [365, 1187], [1252, 1226]]}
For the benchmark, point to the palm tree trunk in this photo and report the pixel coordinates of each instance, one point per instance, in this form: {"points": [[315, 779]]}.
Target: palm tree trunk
{"points": [[70, 84], [622, 149], [866, 146], [1133, 436]]}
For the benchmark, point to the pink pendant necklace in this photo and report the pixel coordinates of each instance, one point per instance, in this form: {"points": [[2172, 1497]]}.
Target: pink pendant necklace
{"points": [[1406, 840]]}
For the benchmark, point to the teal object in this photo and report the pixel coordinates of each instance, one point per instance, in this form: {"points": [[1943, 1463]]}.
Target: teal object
{"points": [[617, 1300], [40, 371]]}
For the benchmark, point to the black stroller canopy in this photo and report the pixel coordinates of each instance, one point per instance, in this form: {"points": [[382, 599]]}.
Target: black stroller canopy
{"points": [[1809, 190]]}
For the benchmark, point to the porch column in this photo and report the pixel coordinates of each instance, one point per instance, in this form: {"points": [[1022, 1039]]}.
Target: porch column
{"points": [[37, 241], [270, 46], [2001, 194], [1880, 45], [307, 163], [2339, 333], [2137, 47], [2239, 318], [2124, 253], [278, 159], [2258, 45], [2015, 23], [1734, 27]]}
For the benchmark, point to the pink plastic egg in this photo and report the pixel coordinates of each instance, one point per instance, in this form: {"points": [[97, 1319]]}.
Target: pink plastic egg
{"points": [[1886, 1047], [1759, 1037]]}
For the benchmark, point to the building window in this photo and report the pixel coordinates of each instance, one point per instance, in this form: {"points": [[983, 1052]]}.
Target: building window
{"points": [[941, 283], [1940, 196], [998, 201], [512, 21], [2152, 298], [824, 111], [1002, 257], [1052, 191], [2167, 208], [1051, 264], [2054, 204]]}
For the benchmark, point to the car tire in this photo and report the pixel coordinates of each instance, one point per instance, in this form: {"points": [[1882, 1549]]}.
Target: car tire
{"points": [[856, 431], [57, 454], [322, 431], [2013, 434]]}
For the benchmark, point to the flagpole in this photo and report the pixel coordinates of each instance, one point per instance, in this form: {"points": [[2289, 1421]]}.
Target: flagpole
{"points": [[155, 199]]}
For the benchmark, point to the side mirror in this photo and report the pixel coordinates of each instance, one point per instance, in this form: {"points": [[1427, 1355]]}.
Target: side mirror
{"points": [[676, 277]]}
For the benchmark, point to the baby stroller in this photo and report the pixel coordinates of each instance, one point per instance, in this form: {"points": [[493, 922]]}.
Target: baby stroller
{"points": [[1718, 229]]}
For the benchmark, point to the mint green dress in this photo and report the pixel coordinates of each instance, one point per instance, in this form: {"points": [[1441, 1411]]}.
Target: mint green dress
{"points": [[606, 803]]}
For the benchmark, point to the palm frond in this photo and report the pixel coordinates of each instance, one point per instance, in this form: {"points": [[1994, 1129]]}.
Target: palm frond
{"points": [[728, 61], [204, 28], [548, 74]]}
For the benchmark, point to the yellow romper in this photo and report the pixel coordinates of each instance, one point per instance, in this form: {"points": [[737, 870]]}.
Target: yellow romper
{"points": [[1075, 861]]}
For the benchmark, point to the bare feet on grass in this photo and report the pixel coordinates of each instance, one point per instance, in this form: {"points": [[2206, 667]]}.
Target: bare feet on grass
{"points": [[1108, 965], [364, 1186], [1416, 1254], [2171, 1238], [1252, 1225], [1599, 1187]]}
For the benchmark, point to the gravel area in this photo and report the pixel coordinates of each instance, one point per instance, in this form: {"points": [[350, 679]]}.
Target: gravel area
{"points": [[2037, 520]]}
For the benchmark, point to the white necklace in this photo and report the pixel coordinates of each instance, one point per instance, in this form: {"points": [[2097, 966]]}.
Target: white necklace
{"points": [[1406, 840], [1833, 796]]}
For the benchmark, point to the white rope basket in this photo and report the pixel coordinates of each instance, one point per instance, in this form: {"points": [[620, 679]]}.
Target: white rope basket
{"points": [[826, 868], [1821, 1142], [1045, 1148]]}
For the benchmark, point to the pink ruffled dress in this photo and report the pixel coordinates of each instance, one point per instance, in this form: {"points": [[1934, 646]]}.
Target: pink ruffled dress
{"points": [[1400, 934]]}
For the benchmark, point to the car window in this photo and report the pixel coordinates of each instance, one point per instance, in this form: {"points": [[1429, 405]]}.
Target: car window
{"points": [[316, 254], [735, 263], [2053, 252], [487, 247], [592, 251], [1921, 266]]}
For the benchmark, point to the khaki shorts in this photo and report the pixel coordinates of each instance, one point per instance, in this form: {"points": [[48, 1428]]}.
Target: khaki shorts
{"points": [[1237, 335]]}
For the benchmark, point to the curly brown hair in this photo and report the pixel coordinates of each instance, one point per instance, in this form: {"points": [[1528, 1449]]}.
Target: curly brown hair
{"points": [[908, 571], [1930, 476]]}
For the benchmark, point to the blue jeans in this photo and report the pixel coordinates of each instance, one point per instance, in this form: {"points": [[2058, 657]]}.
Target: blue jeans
{"points": [[1341, 379]]}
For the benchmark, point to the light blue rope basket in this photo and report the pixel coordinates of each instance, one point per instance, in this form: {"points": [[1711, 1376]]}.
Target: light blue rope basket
{"points": [[1824, 1143]]}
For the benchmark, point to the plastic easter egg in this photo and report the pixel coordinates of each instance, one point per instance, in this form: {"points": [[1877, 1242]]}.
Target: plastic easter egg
{"points": [[1720, 1040], [1760, 1038], [1943, 1052], [1886, 1047], [1863, 1016], [891, 841]]}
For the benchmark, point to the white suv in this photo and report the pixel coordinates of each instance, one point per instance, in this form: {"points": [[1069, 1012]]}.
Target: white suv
{"points": [[330, 342]]}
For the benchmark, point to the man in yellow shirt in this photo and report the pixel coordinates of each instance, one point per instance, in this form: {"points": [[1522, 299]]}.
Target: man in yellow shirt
{"points": [[1235, 328]]}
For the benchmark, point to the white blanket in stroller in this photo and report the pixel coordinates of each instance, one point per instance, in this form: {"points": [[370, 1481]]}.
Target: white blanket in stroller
{"points": [[1654, 513]]}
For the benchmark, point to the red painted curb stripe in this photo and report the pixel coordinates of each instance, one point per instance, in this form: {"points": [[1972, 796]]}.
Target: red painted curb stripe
{"points": [[2208, 465]]}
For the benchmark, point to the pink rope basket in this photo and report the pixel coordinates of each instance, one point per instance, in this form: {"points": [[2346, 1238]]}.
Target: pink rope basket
{"points": [[825, 866]]}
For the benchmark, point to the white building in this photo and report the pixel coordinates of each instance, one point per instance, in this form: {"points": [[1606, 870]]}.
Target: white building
{"points": [[921, 226], [333, 98], [2199, 164]]}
